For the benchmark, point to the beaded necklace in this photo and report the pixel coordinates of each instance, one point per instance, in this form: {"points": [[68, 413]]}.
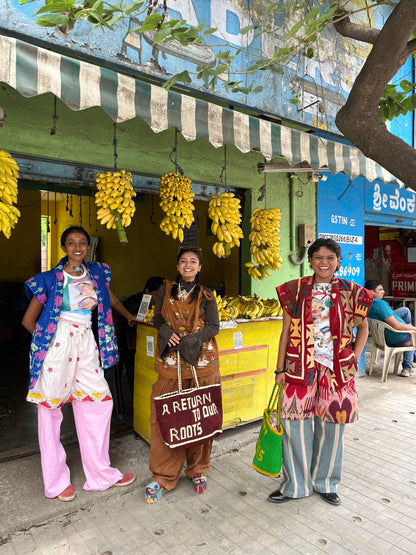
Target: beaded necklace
{"points": [[78, 270]]}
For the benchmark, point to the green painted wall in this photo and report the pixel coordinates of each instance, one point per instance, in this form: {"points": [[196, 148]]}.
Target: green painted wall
{"points": [[87, 137]]}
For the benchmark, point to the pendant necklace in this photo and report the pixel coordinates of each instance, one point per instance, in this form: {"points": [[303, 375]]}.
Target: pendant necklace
{"points": [[182, 294], [78, 270]]}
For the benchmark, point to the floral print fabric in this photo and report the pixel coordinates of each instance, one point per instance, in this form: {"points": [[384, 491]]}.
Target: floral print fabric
{"points": [[321, 399], [48, 288]]}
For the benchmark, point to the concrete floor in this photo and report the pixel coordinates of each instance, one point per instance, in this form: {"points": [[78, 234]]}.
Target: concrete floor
{"points": [[18, 418], [377, 514]]}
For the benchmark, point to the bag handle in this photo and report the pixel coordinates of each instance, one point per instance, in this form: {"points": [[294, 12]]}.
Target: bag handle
{"points": [[178, 358], [276, 395]]}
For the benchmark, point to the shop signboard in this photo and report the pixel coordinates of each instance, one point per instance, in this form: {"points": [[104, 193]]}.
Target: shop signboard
{"points": [[390, 205], [341, 217], [403, 284]]}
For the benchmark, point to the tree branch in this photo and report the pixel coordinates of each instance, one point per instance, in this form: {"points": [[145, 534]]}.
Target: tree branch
{"points": [[411, 47], [347, 29], [359, 119]]}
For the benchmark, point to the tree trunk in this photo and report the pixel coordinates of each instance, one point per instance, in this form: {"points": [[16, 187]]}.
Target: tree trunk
{"points": [[359, 119]]}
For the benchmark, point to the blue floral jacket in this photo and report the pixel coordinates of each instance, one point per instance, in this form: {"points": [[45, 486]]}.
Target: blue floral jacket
{"points": [[48, 289]]}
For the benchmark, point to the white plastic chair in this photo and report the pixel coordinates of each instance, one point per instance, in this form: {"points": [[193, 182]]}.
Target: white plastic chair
{"points": [[376, 328]]}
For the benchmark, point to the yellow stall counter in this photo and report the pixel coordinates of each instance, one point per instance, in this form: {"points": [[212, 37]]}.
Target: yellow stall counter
{"points": [[248, 355]]}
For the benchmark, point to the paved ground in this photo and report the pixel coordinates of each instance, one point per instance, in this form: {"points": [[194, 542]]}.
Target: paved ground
{"points": [[377, 514]]}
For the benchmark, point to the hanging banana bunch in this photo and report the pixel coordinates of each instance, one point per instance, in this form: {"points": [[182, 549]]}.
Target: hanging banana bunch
{"points": [[114, 200], [265, 241], [224, 211], [9, 174], [176, 202]]}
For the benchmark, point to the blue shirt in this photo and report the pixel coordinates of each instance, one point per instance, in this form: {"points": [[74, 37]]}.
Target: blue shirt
{"points": [[380, 310], [48, 288]]}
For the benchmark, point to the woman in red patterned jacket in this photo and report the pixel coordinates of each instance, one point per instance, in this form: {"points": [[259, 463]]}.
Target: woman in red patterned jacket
{"points": [[317, 363]]}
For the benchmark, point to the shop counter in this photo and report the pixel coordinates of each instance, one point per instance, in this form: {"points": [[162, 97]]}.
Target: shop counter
{"points": [[248, 355]]}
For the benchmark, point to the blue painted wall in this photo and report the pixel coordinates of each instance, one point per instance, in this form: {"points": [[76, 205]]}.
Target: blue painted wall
{"points": [[323, 82]]}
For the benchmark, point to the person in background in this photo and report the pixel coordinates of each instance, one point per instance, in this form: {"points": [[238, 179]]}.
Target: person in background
{"points": [[186, 316], [66, 364], [399, 319], [316, 363], [127, 334]]}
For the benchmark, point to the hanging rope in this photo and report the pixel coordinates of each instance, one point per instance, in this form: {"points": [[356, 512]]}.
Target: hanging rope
{"points": [[262, 189], [56, 219], [115, 144], [48, 227], [223, 174], [175, 151], [89, 208], [55, 117]]}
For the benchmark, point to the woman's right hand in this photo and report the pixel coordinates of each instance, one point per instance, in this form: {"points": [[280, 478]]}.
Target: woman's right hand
{"points": [[280, 379], [174, 340]]}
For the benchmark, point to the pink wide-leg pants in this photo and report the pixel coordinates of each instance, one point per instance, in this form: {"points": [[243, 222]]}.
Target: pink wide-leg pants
{"points": [[92, 422]]}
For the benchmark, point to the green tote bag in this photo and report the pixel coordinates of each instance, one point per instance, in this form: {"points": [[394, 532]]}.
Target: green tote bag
{"points": [[268, 457]]}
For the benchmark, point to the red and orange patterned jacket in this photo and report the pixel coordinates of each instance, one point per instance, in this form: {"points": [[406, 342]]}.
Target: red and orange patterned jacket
{"points": [[349, 305]]}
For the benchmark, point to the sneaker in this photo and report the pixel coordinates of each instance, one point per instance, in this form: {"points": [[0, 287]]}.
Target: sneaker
{"points": [[126, 480], [405, 373], [67, 495]]}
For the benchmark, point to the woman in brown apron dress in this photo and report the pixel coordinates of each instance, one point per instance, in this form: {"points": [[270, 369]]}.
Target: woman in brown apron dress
{"points": [[186, 316]]}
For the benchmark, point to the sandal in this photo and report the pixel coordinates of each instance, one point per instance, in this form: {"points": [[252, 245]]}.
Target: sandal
{"points": [[200, 482], [154, 492]]}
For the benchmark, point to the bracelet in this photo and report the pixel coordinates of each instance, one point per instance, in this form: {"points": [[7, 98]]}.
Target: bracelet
{"points": [[277, 372]]}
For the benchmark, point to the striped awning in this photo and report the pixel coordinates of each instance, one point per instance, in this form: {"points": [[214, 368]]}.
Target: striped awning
{"points": [[33, 71]]}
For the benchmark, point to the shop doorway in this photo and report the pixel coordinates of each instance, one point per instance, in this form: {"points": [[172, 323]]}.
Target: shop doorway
{"points": [[390, 258]]}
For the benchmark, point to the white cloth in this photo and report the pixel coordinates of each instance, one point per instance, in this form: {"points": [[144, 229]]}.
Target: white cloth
{"points": [[71, 370], [323, 345]]}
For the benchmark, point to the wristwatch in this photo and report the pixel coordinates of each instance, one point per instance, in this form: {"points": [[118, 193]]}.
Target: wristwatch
{"points": [[277, 372]]}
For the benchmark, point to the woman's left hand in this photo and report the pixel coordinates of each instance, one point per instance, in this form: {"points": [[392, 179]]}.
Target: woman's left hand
{"points": [[174, 340], [131, 319]]}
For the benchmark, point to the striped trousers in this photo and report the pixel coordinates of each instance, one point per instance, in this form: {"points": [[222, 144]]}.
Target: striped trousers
{"points": [[312, 456]]}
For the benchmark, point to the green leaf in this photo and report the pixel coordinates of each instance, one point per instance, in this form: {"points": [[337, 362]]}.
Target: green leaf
{"points": [[57, 7], [179, 77], [245, 30], [217, 70], [222, 55], [406, 85], [293, 30], [161, 34], [308, 53], [150, 23], [269, 8], [313, 13], [174, 23], [210, 31], [135, 7], [52, 20], [260, 64]]}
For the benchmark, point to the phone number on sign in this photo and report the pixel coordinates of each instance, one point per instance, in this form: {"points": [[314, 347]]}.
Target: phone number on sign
{"points": [[349, 271]]}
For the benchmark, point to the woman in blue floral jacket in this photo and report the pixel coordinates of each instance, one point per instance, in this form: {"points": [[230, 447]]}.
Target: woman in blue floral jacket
{"points": [[66, 365]]}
